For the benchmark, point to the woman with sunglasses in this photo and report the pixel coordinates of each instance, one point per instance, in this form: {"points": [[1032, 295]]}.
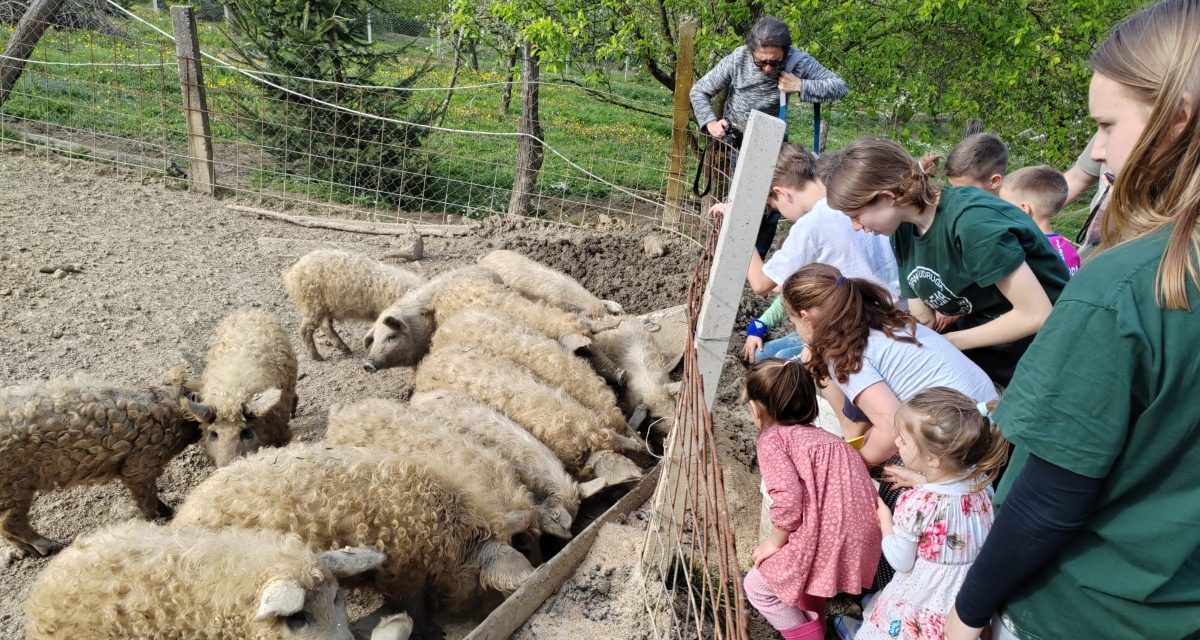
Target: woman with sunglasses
{"points": [[755, 75]]}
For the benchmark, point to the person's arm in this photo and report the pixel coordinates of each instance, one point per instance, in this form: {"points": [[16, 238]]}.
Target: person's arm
{"points": [[1030, 308], [818, 84], [782, 481], [899, 540], [713, 82], [880, 404], [775, 314], [921, 311], [1045, 508], [1078, 181], [761, 283]]}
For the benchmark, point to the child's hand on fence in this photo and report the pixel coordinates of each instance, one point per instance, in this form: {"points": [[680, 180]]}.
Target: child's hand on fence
{"points": [[766, 549], [718, 209]]}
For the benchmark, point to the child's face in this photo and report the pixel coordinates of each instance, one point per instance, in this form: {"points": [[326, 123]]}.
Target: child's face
{"points": [[914, 458], [990, 184], [1120, 120], [881, 217], [795, 203], [803, 324]]}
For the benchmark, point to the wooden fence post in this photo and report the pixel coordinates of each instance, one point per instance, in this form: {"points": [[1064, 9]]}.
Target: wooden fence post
{"points": [[529, 145], [681, 117], [201, 174], [748, 198], [22, 42]]}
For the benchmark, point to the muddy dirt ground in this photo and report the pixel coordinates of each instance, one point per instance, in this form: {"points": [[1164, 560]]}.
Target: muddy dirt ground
{"points": [[159, 269]]}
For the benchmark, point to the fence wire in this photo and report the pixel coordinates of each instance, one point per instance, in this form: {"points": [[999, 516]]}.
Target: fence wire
{"points": [[417, 147], [692, 579]]}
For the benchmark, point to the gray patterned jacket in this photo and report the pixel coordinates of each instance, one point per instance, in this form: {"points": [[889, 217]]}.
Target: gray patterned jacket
{"points": [[751, 89]]}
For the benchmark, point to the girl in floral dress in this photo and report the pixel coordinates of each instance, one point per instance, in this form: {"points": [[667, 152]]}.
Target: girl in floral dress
{"points": [[940, 525], [824, 536]]}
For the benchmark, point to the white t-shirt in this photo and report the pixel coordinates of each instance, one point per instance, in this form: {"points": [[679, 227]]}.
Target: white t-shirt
{"points": [[826, 236], [909, 369]]}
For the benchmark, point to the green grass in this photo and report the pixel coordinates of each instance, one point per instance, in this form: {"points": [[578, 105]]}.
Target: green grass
{"points": [[468, 172]]}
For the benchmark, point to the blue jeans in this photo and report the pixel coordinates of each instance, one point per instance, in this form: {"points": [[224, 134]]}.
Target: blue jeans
{"points": [[786, 347]]}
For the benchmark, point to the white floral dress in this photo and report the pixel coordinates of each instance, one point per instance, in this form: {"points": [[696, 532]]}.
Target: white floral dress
{"points": [[938, 530]]}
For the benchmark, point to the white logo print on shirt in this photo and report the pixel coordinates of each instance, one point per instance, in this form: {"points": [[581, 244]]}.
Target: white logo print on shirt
{"points": [[929, 286]]}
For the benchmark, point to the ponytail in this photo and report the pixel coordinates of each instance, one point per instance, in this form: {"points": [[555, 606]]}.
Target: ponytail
{"points": [[870, 165], [784, 389]]}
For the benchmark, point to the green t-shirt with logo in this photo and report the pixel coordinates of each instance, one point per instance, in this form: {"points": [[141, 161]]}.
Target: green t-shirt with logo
{"points": [[975, 241], [1110, 388]]}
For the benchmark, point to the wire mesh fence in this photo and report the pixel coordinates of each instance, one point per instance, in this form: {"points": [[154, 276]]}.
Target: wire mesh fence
{"points": [[415, 139], [693, 578]]}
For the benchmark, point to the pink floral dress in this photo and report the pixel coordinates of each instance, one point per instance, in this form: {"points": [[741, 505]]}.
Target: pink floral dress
{"points": [[819, 490], [938, 530]]}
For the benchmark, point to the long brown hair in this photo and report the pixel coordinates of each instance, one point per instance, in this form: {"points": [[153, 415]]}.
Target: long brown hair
{"points": [[1154, 56], [856, 175], [948, 424], [784, 389], [844, 311]]}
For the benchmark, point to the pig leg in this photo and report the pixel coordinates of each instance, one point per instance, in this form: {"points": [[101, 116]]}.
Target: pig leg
{"points": [[143, 487], [334, 337], [307, 327], [22, 539]]}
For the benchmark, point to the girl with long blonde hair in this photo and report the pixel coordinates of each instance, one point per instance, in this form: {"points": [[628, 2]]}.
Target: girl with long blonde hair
{"points": [[1098, 532]]}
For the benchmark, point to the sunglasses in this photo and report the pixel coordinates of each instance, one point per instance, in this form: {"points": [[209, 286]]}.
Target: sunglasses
{"points": [[773, 63]]}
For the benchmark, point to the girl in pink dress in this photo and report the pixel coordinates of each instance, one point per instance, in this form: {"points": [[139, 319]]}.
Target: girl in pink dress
{"points": [[940, 525], [825, 536]]}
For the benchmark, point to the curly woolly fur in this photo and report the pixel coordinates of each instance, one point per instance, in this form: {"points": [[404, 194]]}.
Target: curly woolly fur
{"points": [[433, 530], [536, 281], [535, 463], [401, 336], [647, 381], [497, 332], [248, 387], [138, 580], [328, 285], [549, 413], [70, 431], [397, 428]]}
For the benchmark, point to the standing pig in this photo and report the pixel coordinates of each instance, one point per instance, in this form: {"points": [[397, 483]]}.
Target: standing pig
{"points": [[248, 390]]}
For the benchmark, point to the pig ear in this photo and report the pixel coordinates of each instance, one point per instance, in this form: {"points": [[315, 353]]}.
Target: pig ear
{"points": [[280, 598], [262, 402], [394, 323], [198, 411], [352, 561]]}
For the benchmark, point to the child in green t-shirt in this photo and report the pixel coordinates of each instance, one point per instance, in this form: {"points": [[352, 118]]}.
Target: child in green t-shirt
{"points": [[960, 251]]}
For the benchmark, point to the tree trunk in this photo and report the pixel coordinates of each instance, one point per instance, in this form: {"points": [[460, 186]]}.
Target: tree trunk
{"points": [[510, 71], [529, 145], [473, 48], [22, 42]]}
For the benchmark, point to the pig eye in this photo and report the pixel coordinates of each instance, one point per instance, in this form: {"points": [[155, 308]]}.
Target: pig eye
{"points": [[299, 620], [246, 434], [391, 338], [212, 435]]}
